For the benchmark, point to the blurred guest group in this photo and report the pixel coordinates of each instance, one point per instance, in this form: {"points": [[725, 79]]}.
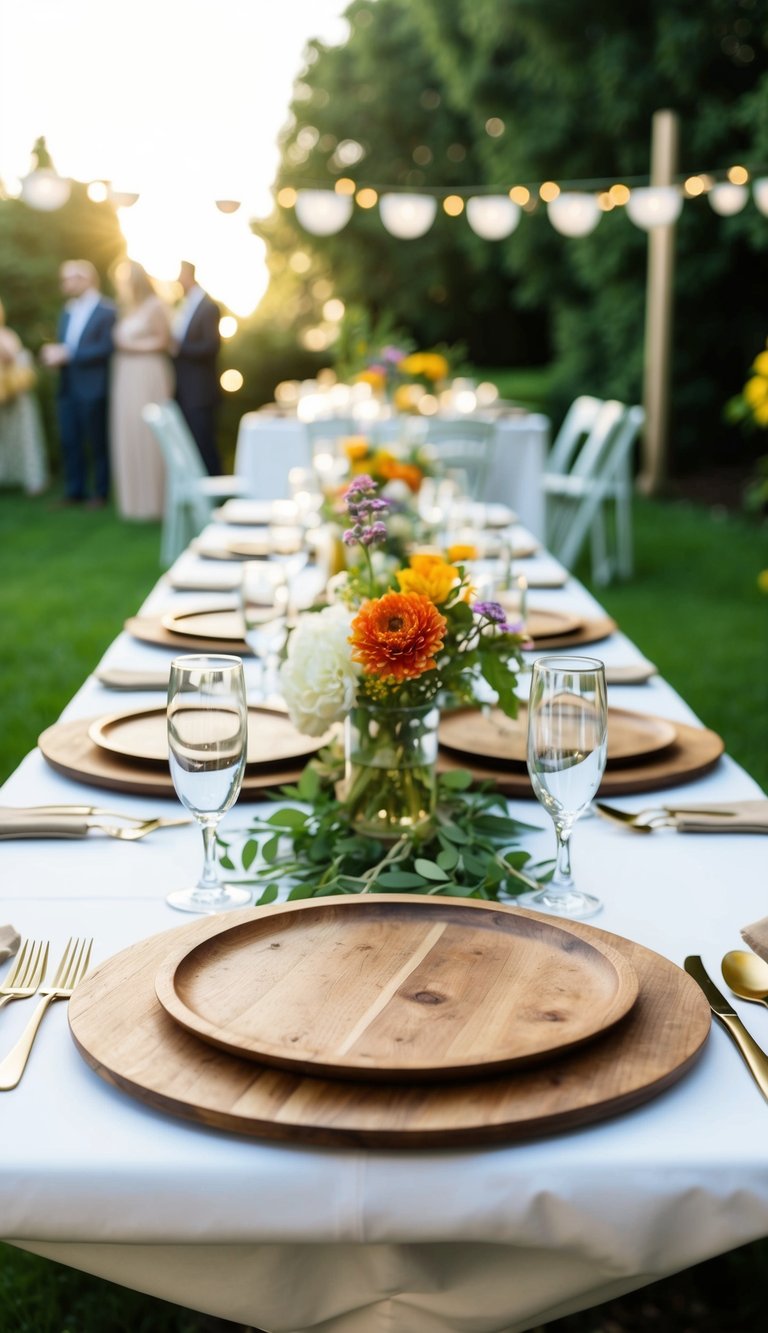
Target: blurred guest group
{"points": [[112, 360]]}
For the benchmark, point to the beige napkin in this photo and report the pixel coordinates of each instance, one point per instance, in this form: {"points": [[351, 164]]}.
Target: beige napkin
{"points": [[121, 678], [742, 817], [636, 674], [756, 936], [9, 942], [20, 824]]}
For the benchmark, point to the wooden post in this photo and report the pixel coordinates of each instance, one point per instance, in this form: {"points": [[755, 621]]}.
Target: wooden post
{"points": [[658, 312]]}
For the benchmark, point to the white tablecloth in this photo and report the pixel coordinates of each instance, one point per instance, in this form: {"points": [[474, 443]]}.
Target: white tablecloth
{"points": [[268, 447], [293, 1238]]}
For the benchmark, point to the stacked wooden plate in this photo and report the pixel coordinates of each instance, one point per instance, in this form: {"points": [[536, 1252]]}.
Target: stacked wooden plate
{"points": [[644, 752], [389, 1020], [128, 751], [557, 629]]}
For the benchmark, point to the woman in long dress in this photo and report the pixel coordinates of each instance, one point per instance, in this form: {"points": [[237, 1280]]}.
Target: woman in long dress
{"points": [[141, 373], [23, 459]]}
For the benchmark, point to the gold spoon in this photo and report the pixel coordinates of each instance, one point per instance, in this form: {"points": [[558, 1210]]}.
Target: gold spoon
{"points": [[747, 975]]}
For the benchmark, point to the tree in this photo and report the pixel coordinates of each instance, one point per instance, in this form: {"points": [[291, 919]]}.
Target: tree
{"points": [[562, 91]]}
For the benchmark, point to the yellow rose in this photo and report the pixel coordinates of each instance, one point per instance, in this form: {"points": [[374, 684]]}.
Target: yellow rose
{"points": [[458, 553], [760, 364], [355, 447]]}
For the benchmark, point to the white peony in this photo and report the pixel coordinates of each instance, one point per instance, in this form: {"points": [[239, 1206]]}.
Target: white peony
{"points": [[318, 677]]}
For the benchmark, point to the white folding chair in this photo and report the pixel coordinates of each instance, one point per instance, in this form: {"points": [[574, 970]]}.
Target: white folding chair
{"points": [[190, 494], [464, 445], [577, 424], [600, 477]]}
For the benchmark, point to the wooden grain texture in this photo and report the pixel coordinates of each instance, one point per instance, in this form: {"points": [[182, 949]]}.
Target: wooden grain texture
{"points": [[387, 990], [696, 751], [68, 748], [124, 1033], [222, 623], [492, 735]]}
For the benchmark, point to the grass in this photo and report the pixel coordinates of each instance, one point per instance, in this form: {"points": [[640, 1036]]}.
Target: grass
{"points": [[694, 608]]}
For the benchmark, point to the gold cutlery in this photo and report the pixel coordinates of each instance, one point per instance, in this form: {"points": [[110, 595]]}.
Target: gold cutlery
{"points": [[27, 973], [653, 817], [71, 970], [77, 822], [747, 975], [755, 1058], [87, 810]]}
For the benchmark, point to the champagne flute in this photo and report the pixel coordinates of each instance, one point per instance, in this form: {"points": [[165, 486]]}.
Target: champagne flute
{"points": [[264, 601], [207, 741], [567, 743]]}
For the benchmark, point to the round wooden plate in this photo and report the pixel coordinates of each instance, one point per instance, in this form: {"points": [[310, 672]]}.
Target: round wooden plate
{"points": [[542, 624], [125, 1035], [141, 734], [221, 623], [68, 748], [257, 513], [590, 631], [276, 541], [494, 736], [390, 992], [695, 752], [150, 629]]}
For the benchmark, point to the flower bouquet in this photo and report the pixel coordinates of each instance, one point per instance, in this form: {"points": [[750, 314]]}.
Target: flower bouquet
{"points": [[394, 646]]}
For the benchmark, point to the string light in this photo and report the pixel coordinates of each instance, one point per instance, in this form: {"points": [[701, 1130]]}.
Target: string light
{"points": [[286, 197], [619, 195], [520, 195], [366, 198], [345, 186], [548, 191], [453, 205], [738, 175]]}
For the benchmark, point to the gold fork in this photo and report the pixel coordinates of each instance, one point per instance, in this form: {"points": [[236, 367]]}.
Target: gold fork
{"points": [[71, 970], [27, 973]]}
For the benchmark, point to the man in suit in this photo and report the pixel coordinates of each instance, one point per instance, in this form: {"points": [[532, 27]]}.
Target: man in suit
{"points": [[82, 356], [196, 347]]}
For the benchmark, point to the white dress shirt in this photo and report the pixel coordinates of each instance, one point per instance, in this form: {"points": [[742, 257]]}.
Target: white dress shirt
{"points": [[183, 316], [80, 310]]}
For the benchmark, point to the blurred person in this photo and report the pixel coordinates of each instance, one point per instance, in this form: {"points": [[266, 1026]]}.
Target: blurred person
{"points": [[82, 355], [23, 460], [141, 374], [197, 340]]}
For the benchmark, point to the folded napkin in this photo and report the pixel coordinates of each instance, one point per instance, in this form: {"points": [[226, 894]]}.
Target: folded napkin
{"points": [[9, 942], [20, 824], [756, 936], [741, 817], [121, 678], [636, 674]]}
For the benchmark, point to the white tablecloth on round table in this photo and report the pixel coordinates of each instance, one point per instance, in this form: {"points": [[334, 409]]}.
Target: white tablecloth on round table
{"points": [[293, 1238], [268, 447]]}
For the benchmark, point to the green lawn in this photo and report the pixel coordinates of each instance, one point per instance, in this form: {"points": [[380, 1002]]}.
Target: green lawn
{"points": [[71, 578]]}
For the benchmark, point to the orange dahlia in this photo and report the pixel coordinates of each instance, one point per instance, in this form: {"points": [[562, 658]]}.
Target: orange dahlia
{"points": [[392, 469], [396, 636], [429, 575]]}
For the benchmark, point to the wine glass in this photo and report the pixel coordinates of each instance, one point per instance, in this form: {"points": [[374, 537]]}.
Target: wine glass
{"points": [[567, 742], [207, 741], [264, 601]]}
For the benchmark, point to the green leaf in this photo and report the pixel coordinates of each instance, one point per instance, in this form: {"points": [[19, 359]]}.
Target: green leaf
{"points": [[453, 833], [498, 826], [448, 858], [249, 853], [309, 784], [270, 849], [428, 869], [268, 896], [399, 879], [226, 863], [288, 818]]}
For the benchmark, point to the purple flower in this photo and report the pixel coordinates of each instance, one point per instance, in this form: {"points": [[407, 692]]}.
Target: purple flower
{"points": [[349, 538], [361, 483], [392, 354], [494, 612], [377, 532]]}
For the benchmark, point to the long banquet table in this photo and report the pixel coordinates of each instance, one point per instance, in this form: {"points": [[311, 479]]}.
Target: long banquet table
{"points": [[292, 1238], [268, 446]]}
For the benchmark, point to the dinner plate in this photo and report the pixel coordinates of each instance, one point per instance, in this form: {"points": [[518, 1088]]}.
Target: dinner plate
{"points": [[257, 513], [141, 735], [273, 541], [492, 735], [222, 623], [541, 624], [389, 991]]}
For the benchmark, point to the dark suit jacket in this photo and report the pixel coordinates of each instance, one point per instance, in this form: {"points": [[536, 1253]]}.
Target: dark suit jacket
{"points": [[197, 378], [86, 374]]}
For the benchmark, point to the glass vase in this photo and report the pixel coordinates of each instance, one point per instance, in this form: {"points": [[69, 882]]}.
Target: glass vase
{"points": [[389, 772]]}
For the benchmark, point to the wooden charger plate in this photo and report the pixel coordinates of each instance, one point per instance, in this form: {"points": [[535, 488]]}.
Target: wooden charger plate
{"points": [[142, 734], [590, 631], [150, 629], [388, 991], [695, 752], [494, 736], [125, 1035], [541, 624], [221, 623], [68, 748], [276, 541]]}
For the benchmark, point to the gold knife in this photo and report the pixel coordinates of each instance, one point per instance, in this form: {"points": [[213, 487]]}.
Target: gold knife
{"points": [[755, 1059]]}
